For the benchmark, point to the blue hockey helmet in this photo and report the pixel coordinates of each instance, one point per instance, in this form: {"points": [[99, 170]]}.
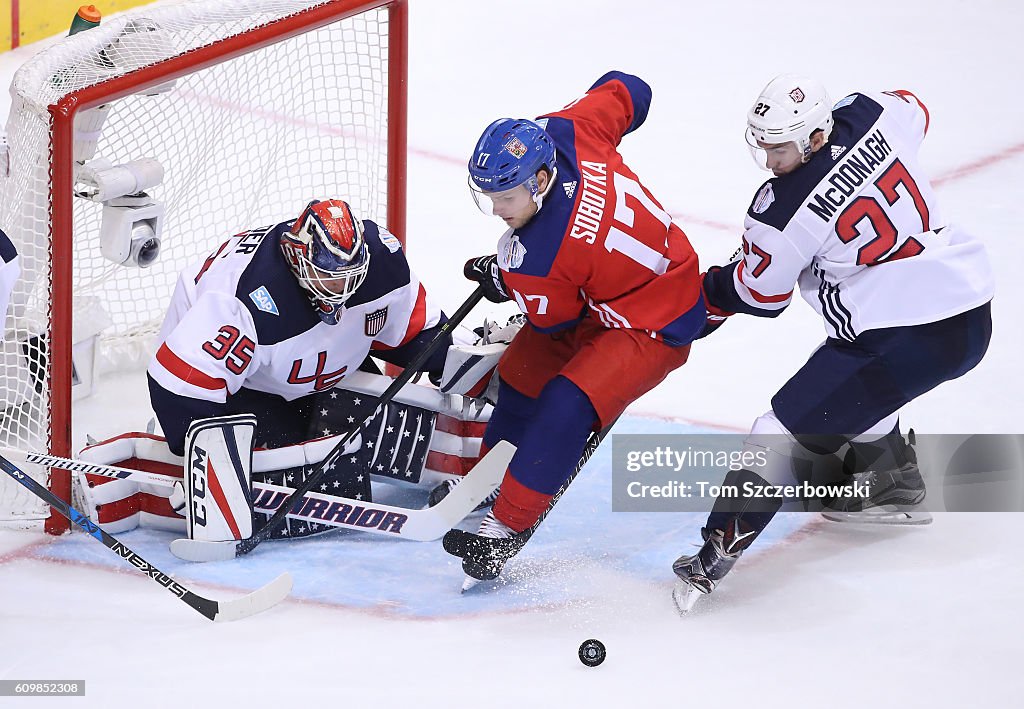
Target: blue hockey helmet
{"points": [[327, 252], [510, 153]]}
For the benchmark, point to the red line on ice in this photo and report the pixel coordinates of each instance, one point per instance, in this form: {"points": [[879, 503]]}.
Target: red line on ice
{"points": [[978, 165]]}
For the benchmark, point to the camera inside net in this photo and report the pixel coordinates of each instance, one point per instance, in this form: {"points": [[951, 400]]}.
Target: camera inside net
{"points": [[130, 234], [132, 222]]}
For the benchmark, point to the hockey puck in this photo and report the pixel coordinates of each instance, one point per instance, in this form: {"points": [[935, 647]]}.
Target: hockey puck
{"points": [[592, 652]]}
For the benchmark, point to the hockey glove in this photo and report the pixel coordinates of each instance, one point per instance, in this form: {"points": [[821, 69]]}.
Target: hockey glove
{"points": [[716, 317], [484, 270]]}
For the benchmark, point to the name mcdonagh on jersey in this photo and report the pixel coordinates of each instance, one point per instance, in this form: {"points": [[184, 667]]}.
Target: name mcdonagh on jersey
{"points": [[846, 179]]}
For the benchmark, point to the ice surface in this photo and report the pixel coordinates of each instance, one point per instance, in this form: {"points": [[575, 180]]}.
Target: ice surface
{"points": [[817, 612]]}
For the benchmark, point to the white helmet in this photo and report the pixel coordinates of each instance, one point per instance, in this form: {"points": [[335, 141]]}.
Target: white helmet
{"points": [[790, 108]]}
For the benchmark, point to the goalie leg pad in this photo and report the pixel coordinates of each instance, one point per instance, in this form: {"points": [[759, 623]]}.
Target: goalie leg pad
{"points": [[218, 460], [122, 505], [288, 467]]}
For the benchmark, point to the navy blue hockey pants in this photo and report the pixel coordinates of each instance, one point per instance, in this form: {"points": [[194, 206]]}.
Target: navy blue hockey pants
{"points": [[847, 387]]}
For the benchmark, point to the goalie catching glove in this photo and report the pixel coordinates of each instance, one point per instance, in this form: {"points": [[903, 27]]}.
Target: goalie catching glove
{"points": [[470, 369]]}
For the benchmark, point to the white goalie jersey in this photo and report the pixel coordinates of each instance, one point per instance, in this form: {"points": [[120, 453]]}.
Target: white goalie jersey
{"points": [[241, 318], [858, 228]]}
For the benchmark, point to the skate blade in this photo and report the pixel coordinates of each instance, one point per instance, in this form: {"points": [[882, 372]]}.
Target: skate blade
{"points": [[686, 596], [470, 582], [885, 515]]}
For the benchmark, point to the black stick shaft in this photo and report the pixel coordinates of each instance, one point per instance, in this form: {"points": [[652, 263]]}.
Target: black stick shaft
{"points": [[261, 534], [588, 450]]}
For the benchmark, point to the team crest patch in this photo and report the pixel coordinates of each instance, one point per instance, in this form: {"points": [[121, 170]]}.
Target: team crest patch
{"points": [[389, 240], [375, 321], [516, 147], [797, 95], [261, 297], [764, 199], [515, 252]]}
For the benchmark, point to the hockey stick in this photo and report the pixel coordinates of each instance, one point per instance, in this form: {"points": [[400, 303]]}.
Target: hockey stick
{"points": [[73, 465], [420, 525], [228, 550], [593, 441], [259, 600], [417, 525], [461, 543]]}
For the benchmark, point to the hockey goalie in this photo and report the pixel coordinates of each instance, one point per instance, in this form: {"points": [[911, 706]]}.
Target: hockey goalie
{"points": [[263, 364]]}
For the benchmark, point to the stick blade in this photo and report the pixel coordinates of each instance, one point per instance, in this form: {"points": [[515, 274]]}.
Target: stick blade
{"points": [[197, 550], [478, 483], [256, 602], [434, 522]]}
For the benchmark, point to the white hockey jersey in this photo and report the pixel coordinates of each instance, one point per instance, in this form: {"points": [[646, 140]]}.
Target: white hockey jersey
{"points": [[858, 227], [241, 318]]}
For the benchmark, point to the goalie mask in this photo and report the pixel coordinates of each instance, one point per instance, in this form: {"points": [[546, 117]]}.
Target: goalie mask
{"points": [[327, 252]]}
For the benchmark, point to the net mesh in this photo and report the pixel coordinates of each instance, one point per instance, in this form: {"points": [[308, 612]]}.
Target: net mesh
{"points": [[242, 143]]}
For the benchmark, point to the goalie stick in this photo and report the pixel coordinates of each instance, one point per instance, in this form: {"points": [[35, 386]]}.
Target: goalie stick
{"points": [[256, 602], [420, 525], [497, 552], [185, 548]]}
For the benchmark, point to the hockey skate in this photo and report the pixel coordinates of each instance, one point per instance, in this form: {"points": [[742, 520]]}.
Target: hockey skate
{"points": [[891, 494], [485, 553], [442, 489], [700, 573]]}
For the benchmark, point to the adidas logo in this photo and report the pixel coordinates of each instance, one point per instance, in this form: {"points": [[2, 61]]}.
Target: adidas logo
{"points": [[838, 150], [570, 188]]}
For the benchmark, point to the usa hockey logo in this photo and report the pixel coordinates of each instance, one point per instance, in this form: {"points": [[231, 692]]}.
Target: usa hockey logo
{"points": [[797, 95], [375, 321], [261, 297]]}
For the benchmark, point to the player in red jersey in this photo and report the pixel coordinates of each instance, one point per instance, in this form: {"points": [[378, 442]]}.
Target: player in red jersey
{"points": [[609, 286]]}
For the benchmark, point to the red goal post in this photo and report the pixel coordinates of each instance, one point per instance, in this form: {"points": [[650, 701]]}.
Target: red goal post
{"points": [[295, 90]]}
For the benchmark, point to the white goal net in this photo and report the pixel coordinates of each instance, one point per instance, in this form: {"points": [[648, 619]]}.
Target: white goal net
{"points": [[189, 122]]}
